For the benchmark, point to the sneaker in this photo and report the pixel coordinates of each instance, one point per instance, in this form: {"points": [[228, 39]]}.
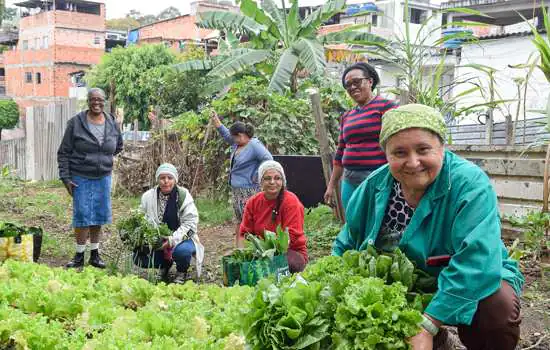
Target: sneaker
{"points": [[76, 262], [181, 277]]}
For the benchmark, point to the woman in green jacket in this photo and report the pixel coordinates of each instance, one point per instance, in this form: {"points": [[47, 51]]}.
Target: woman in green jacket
{"points": [[442, 212]]}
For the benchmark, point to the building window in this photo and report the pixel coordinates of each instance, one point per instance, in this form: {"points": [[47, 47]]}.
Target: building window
{"points": [[38, 78], [417, 16], [97, 40], [25, 45], [375, 20], [45, 42], [28, 77]]}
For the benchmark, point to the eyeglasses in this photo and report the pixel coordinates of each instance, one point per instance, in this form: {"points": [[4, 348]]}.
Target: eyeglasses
{"points": [[348, 85], [96, 99], [274, 179]]}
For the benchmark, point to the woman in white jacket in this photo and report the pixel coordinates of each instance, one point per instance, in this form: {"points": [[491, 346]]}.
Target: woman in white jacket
{"points": [[174, 206]]}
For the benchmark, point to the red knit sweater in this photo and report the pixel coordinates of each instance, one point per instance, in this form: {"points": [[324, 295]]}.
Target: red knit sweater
{"points": [[257, 219]]}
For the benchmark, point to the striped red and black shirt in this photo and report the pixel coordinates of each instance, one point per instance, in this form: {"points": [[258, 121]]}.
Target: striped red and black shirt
{"points": [[358, 143]]}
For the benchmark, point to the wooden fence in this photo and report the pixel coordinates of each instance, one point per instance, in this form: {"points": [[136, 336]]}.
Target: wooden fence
{"points": [[12, 154], [474, 134], [45, 126], [516, 174]]}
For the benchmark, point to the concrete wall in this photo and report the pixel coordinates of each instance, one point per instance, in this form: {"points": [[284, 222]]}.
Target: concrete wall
{"points": [[499, 54]]}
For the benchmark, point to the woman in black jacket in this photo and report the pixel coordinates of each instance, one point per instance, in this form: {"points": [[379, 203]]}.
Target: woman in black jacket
{"points": [[85, 159]]}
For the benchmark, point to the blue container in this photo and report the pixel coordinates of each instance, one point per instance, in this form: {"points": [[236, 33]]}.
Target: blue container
{"points": [[454, 43], [358, 8]]}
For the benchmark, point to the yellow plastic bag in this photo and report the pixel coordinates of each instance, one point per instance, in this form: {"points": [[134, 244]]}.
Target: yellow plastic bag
{"points": [[18, 248]]}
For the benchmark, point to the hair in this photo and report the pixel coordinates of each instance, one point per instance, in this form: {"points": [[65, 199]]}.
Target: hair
{"points": [[368, 71], [275, 211], [242, 128], [96, 90]]}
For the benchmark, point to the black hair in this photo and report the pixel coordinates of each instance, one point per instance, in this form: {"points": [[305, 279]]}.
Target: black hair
{"points": [[368, 71], [275, 211], [242, 128]]}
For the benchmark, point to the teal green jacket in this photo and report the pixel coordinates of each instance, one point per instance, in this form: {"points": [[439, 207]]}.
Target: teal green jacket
{"points": [[457, 216]]}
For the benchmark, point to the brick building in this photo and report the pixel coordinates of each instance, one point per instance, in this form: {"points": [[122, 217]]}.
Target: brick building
{"points": [[57, 38], [178, 31]]}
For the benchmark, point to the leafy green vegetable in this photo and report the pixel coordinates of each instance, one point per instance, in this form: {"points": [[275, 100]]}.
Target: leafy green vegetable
{"points": [[137, 232], [9, 229], [357, 301]]}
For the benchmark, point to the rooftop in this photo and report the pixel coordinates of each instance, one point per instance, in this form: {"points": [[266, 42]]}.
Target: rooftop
{"points": [[42, 3]]}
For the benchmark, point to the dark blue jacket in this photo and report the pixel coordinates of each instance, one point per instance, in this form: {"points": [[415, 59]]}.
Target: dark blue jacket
{"points": [[80, 152]]}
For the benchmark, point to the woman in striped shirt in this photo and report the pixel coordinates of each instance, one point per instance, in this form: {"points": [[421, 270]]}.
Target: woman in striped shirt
{"points": [[359, 153]]}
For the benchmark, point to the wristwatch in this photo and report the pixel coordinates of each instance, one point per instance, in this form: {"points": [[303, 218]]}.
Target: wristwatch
{"points": [[429, 326]]}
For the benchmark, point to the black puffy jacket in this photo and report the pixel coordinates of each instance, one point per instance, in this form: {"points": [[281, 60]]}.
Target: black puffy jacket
{"points": [[80, 153]]}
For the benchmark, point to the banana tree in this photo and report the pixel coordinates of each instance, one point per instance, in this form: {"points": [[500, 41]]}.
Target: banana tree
{"points": [[278, 36]]}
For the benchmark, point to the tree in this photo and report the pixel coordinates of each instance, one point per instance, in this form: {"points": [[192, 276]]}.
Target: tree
{"points": [[10, 13], [125, 23], [136, 72], [9, 115], [168, 13], [147, 19], [2, 10], [135, 14], [279, 41]]}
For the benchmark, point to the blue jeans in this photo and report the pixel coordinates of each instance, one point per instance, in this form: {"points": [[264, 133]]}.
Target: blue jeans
{"points": [[182, 254], [347, 190]]}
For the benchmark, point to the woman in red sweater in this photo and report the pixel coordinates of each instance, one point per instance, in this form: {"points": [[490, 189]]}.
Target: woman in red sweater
{"points": [[275, 206]]}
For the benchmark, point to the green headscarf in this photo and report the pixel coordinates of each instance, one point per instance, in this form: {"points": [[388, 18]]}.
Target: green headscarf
{"points": [[412, 116]]}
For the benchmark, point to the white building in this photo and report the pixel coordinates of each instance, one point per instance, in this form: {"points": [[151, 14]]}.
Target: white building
{"points": [[500, 52]]}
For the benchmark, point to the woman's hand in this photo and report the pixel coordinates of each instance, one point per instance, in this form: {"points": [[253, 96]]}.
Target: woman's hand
{"points": [[70, 186], [422, 341], [329, 195], [215, 119]]}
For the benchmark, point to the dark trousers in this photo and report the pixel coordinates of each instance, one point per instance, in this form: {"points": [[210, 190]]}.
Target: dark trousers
{"points": [[495, 325]]}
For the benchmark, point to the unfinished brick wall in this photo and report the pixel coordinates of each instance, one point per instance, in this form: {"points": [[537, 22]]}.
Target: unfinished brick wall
{"points": [[51, 46]]}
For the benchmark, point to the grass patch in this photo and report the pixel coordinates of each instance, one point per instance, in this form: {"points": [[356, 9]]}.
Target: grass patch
{"points": [[213, 212], [56, 246], [321, 228]]}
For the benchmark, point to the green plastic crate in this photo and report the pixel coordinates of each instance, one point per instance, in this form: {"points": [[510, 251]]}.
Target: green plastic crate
{"points": [[250, 272]]}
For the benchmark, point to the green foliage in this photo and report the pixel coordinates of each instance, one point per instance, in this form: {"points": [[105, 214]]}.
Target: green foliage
{"points": [[136, 232], [321, 228], [124, 23], [535, 236], [213, 212], [284, 124], [9, 114], [137, 73], [280, 42], [43, 308], [257, 248], [345, 302]]}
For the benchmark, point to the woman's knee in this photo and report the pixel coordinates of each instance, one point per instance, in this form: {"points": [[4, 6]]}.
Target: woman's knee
{"points": [[185, 249], [496, 321]]}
